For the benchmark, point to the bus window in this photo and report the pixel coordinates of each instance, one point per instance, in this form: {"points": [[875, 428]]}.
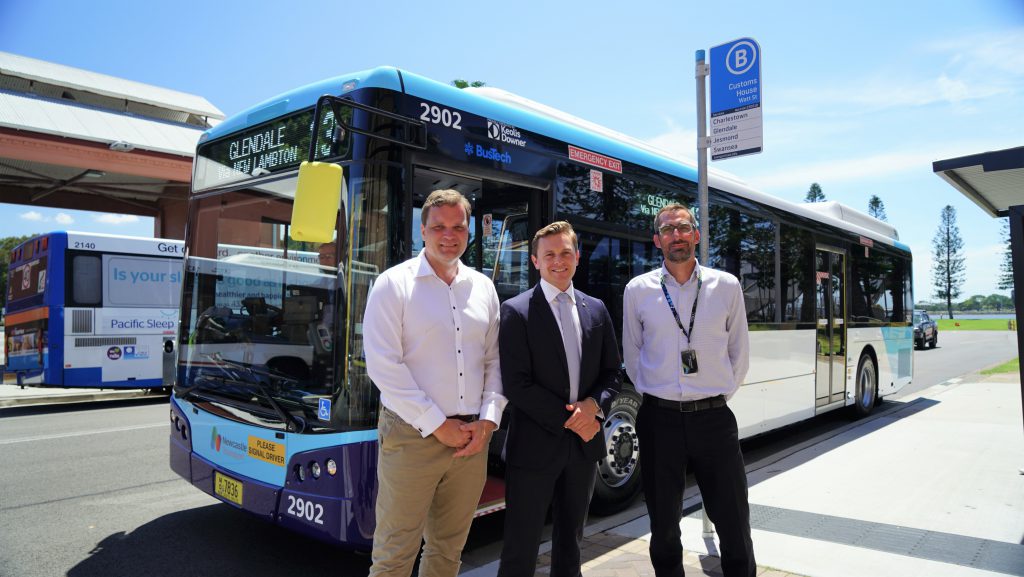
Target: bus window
{"points": [[87, 272]]}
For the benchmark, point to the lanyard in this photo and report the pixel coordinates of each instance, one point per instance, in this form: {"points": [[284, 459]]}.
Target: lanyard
{"points": [[693, 311]]}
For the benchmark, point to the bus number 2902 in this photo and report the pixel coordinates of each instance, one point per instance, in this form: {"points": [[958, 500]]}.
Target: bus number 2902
{"points": [[308, 510], [442, 116]]}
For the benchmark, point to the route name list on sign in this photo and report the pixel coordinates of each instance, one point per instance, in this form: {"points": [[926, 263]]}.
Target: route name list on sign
{"points": [[736, 132]]}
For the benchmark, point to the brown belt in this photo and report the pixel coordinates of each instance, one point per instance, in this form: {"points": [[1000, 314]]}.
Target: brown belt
{"points": [[465, 418], [686, 406]]}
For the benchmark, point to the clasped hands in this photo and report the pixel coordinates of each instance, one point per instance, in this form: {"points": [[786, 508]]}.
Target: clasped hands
{"points": [[583, 420], [468, 438]]}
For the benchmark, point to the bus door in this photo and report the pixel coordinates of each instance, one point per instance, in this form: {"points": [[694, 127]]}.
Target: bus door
{"points": [[505, 216], [830, 279]]}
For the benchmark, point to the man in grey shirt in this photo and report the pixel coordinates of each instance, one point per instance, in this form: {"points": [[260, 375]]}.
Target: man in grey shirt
{"points": [[684, 341]]}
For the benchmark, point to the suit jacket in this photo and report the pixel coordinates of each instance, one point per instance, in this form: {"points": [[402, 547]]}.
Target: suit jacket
{"points": [[535, 376]]}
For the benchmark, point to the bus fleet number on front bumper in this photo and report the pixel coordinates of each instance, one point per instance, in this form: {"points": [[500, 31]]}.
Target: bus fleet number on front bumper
{"points": [[308, 510]]}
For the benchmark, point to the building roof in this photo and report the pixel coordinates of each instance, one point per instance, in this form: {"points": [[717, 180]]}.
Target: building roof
{"points": [[52, 99], [994, 180], [66, 119], [78, 79]]}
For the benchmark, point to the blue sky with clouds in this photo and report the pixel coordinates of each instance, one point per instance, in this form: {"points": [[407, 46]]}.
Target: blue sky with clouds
{"points": [[858, 97]]}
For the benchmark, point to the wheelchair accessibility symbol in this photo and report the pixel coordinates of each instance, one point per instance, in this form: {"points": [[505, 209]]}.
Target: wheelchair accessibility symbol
{"points": [[324, 410]]}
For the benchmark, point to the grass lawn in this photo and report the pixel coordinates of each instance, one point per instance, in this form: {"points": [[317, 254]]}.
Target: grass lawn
{"points": [[1007, 367], [973, 324]]}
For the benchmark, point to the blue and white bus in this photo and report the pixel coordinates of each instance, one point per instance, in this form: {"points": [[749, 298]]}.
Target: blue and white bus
{"points": [[92, 310], [273, 411]]}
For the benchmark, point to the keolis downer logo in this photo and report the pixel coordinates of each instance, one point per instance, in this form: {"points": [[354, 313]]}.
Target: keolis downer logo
{"points": [[505, 133]]}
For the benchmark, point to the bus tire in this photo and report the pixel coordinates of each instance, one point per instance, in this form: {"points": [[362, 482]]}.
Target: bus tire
{"points": [[867, 385], [618, 474]]}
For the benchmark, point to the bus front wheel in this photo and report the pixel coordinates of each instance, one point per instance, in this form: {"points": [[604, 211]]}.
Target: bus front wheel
{"points": [[867, 385], [618, 473]]}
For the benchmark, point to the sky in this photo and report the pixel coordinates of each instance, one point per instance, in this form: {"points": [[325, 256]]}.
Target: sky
{"points": [[860, 97]]}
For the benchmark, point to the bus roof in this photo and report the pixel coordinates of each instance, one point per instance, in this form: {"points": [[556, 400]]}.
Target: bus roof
{"points": [[526, 114], [100, 242]]}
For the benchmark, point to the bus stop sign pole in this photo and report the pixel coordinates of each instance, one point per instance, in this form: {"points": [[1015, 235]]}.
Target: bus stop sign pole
{"points": [[700, 73]]}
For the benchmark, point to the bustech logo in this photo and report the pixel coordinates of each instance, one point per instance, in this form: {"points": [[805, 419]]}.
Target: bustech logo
{"points": [[491, 153]]}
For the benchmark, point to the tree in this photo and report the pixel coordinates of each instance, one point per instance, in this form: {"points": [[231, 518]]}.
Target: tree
{"points": [[1006, 267], [876, 208], [947, 259], [997, 302], [814, 194], [7, 244], [460, 83]]}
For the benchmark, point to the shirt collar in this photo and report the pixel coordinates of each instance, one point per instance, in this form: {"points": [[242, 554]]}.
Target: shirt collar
{"points": [[667, 275], [551, 291], [423, 268]]}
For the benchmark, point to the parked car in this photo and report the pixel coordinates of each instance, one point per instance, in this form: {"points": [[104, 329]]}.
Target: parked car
{"points": [[925, 330]]}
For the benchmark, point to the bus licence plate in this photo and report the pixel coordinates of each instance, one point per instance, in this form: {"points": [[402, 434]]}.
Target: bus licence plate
{"points": [[228, 488]]}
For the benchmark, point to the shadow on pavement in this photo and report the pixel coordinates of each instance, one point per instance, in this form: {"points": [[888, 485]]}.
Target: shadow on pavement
{"points": [[821, 434], [216, 540]]}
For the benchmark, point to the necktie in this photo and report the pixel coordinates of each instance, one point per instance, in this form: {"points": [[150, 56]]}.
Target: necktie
{"points": [[569, 342]]}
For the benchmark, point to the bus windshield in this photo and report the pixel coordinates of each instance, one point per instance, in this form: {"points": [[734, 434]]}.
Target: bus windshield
{"points": [[261, 315]]}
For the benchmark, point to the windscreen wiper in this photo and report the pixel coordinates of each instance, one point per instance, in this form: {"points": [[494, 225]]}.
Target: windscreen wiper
{"points": [[293, 423]]}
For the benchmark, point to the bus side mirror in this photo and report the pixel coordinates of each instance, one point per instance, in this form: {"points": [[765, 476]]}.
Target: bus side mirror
{"points": [[317, 198]]}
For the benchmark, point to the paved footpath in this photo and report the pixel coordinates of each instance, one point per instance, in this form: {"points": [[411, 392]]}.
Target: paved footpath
{"points": [[13, 395], [933, 487]]}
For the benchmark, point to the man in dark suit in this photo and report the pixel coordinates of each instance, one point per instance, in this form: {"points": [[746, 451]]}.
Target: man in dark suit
{"points": [[560, 371]]}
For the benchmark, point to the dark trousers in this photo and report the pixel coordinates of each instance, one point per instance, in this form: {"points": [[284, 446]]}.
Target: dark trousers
{"points": [[706, 442], [567, 484]]}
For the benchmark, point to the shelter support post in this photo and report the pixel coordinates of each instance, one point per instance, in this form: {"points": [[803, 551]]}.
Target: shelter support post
{"points": [[1016, 217]]}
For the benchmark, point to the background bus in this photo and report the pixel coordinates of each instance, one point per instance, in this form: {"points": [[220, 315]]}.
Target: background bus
{"points": [[92, 310], [291, 437]]}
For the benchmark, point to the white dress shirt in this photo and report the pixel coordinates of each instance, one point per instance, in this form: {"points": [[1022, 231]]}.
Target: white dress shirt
{"points": [[431, 348], [551, 293], [652, 343]]}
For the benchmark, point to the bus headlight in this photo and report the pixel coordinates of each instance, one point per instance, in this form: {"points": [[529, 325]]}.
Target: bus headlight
{"points": [[300, 472], [315, 468], [332, 467]]}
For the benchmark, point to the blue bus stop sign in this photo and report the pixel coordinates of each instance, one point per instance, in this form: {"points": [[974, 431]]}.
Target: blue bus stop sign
{"points": [[736, 127]]}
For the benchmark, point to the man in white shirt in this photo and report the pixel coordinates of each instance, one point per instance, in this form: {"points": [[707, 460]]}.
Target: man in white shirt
{"points": [[431, 339], [685, 346]]}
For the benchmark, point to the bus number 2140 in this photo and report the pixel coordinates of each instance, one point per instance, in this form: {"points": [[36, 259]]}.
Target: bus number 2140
{"points": [[308, 510]]}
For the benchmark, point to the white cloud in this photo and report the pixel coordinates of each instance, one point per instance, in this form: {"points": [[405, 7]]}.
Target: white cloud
{"points": [[843, 170], [678, 142], [968, 69], [830, 172], [117, 219], [33, 216], [1001, 52], [64, 218]]}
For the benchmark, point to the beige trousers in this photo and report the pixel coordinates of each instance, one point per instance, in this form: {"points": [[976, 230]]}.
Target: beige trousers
{"points": [[423, 493]]}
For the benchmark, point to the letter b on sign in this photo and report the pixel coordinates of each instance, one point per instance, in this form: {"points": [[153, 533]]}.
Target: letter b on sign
{"points": [[741, 57]]}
